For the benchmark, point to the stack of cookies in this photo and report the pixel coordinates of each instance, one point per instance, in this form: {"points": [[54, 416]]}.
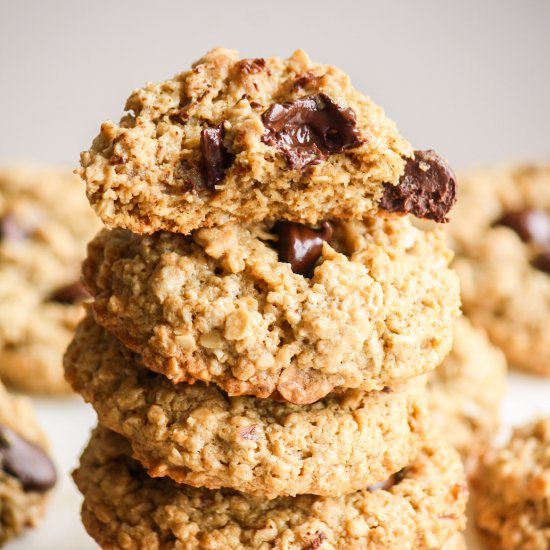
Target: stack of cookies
{"points": [[263, 312]]}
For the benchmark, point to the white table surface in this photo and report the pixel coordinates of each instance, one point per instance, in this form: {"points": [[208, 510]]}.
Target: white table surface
{"points": [[69, 421]]}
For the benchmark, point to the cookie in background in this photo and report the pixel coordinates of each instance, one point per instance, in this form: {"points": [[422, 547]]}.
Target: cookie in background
{"points": [[26, 472], [500, 230], [45, 223], [466, 391], [511, 491]]}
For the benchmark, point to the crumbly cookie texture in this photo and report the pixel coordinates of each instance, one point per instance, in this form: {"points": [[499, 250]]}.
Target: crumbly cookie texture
{"points": [[21, 504], [45, 223], [195, 150], [465, 392], [219, 306], [501, 232], [124, 508], [198, 435], [511, 491]]}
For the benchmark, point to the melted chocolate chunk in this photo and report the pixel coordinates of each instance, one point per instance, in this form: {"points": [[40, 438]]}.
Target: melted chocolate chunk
{"points": [[301, 246], [387, 484], [217, 159], [542, 261], [25, 461], [70, 294], [309, 129], [531, 224], [427, 189], [11, 229]]}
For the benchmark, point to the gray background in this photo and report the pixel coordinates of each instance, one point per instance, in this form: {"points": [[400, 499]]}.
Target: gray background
{"points": [[469, 78]]}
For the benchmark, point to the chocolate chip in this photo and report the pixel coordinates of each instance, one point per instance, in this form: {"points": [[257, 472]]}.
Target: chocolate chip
{"points": [[542, 261], [70, 294], [301, 246], [11, 229], [427, 189], [387, 484], [25, 461], [309, 129], [531, 224], [215, 155], [318, 538]]}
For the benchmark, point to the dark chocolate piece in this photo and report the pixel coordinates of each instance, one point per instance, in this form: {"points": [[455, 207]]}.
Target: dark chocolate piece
{"points": [[301, 246], [308, 129], [70, 294], [427, 189], [25, 461], [217, 159], [531, 224], [11, 229], [542, 261]]}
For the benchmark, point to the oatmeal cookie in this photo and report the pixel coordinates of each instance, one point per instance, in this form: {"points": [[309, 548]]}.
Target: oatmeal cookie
{"points": [[45, 223], [198, 435], [26, 471], [245, 306], [420, 508], [501, 232], [465, 392], [243, 140], [511, 491]]}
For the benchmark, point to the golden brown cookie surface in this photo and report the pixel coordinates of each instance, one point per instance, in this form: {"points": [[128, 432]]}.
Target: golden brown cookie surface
{"points": [[123, 507], [222, 306], [198, 435]]}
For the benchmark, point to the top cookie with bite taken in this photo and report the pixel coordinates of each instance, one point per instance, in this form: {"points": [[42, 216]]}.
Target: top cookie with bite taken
{"points": [[243, 140]]}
